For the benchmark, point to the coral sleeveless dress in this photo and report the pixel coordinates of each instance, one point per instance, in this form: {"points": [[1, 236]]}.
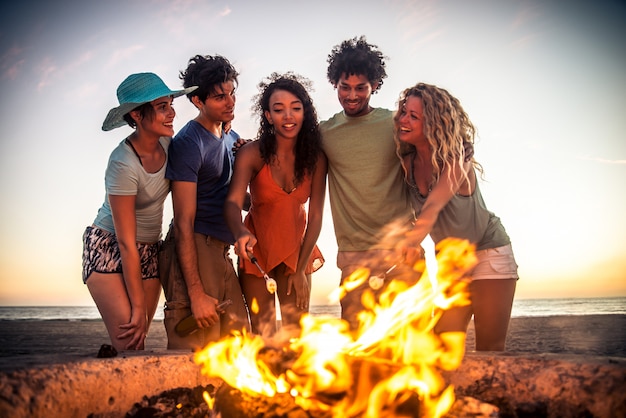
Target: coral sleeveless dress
{"points": [[278, 220]]}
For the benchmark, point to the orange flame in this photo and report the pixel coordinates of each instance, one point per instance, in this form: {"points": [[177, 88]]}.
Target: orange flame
{"points": [[393, 355], [234, 359], [254, 306]]}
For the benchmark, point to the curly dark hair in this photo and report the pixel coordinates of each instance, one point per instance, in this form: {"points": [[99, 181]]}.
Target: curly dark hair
{"points": [[208, 73], [308, 145], [356, 56]]}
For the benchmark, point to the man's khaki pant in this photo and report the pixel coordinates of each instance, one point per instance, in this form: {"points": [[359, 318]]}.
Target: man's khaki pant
{"points": [[219, 281]]}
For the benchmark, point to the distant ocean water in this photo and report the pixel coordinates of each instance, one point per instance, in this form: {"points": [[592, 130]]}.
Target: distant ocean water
{"points": [[521, 308]]}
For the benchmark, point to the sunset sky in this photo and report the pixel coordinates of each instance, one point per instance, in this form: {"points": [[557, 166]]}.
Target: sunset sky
{"points": [[543, 81]]}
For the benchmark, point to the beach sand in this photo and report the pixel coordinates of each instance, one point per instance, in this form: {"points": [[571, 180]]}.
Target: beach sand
{"points": [[33, 342]]}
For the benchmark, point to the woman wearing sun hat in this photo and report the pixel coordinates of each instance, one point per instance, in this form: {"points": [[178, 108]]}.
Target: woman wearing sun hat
{"points": [[120, 249]]}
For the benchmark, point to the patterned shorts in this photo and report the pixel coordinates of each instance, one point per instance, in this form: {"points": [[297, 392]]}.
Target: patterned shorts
{"points": [[102, 255]]}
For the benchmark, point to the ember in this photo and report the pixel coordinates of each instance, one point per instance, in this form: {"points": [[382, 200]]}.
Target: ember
{"points": [[180, 403], [391, 367], [189, 403]]}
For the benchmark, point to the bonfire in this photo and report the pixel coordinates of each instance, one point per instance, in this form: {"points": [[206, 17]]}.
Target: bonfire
{"points": [[391, 365]]}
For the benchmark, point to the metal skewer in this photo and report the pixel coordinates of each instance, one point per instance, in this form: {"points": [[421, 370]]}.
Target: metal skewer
{"points": [[271, 286], [270, 283]]}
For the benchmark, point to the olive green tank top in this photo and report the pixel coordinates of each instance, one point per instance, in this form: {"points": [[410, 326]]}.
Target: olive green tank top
{"points": [[464, 217]]}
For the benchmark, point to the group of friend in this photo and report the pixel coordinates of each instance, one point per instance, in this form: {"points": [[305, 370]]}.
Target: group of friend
{"points": [[411, 169]]}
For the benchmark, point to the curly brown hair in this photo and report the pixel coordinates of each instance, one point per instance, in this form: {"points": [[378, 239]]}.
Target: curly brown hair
{"points": [[309, 144], [356, 56]]}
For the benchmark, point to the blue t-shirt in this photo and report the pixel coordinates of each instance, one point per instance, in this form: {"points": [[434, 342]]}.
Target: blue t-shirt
{"points": [[198, 156]]}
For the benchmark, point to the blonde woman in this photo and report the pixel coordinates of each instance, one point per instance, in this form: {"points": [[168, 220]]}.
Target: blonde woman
{"points": [[430, 129], [120, 249]]}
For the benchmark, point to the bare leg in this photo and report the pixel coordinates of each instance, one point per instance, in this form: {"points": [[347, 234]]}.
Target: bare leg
{"points": [[260, 304], [455, 319], [492, 300], [109, 293], [152, 290], [290, 313]]}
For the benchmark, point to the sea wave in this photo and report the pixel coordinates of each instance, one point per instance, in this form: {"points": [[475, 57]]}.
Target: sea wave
{"points": [[521, 308]]}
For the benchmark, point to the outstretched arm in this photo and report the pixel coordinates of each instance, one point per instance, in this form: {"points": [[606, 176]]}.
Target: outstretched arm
{"points": [[451, 180], [247, 165]]}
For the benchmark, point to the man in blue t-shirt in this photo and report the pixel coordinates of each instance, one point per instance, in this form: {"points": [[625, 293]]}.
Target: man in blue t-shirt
{"points": [[200, 168]]}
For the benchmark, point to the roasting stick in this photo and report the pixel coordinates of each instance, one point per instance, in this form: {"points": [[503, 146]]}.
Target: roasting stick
{"points": [[271, 286]]}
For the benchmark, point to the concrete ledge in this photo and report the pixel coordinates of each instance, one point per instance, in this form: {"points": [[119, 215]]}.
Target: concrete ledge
{"points": [[545, 385], [108, 388], [102, 387]]}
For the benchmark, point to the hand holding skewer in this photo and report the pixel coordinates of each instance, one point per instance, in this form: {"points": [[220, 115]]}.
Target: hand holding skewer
{"points": [[270, 284]]}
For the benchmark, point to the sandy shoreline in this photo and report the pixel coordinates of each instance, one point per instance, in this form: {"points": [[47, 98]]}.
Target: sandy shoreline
{"points": [[594, 335]]}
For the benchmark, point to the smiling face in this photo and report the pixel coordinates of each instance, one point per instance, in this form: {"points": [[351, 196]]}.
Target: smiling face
{"points": [[410, 121], [159, 121], [354, 92], [286, 114]]}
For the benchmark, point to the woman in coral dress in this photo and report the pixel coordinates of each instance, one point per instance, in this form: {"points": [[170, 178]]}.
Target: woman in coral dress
{"points": [[283, 169]]}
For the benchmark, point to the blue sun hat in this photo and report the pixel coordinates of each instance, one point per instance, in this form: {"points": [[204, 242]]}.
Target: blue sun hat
{"points": [[136, 90]]}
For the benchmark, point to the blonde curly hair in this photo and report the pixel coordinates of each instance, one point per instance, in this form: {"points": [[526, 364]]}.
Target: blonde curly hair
{"points": [[446, 127]]}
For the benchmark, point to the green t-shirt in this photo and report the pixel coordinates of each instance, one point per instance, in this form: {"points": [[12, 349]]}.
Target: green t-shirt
{"points": [[368, 195]]}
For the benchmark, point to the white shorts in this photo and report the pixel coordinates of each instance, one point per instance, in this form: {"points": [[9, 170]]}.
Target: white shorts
{"points": [[495, 263]]}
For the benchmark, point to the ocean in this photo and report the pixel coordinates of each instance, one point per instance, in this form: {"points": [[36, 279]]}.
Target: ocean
{"points": [[521, 308]]}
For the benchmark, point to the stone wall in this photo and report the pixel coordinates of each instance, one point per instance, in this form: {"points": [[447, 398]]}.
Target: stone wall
{"points": [[521, 385]]}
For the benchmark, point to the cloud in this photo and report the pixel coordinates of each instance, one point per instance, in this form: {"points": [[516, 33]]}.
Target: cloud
{"points": [[85, 91], [602, 160], [430, 28], [195, 13], [527, 14], [82, 59], [523, 42], [50, 72], [46, 69], [10, 63], [123, 54]]}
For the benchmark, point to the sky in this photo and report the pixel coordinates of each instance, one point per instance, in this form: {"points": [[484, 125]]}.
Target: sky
{"points": [[544, 84]]}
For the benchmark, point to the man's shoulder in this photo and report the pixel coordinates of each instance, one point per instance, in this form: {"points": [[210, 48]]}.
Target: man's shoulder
{"points": [[333, 117], [189, 129], [339, 119], [381, 112], [336, 121], [231, 135]]}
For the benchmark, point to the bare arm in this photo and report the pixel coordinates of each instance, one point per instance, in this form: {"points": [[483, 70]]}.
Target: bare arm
{"points": [[123, 209], [314, 226], [247, 165], [203, 306], [451, 180]]}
